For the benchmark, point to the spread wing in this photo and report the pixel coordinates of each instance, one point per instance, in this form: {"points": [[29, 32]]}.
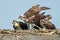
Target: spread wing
{"points": [[35, 10], [32, 11]]}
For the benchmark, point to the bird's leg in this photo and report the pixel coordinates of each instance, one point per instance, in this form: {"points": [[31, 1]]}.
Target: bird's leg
{"points": [[36, 26], [44, 28], [31, 26]]}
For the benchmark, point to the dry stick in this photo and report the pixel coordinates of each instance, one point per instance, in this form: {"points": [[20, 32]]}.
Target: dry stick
{"points": [[2, 37], [38, 27]]}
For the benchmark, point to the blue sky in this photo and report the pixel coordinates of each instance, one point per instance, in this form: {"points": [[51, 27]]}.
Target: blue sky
{"points": [[11, 9]]}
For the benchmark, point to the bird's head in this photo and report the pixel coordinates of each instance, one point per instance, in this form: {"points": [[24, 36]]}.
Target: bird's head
{"points": [[24, 18], [15, 23], [48, 17]]}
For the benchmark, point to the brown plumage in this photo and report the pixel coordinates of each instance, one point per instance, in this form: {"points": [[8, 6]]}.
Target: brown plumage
{"points": [[36, 18], [46, 23], [33, 18], [45, 19], [35, 10]]}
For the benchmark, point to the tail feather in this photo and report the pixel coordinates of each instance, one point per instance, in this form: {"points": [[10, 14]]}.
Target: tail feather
{"points": [[45, 8]]}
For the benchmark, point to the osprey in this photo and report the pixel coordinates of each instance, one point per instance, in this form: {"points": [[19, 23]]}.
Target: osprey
{"points": [[47, 23], [19, 25]]}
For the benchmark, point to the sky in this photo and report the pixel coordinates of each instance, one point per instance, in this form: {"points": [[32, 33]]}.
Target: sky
{"points": [[11, 9]]}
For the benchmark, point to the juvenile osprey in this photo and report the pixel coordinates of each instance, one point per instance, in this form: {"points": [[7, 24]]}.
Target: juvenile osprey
{"points": [[47, 23]]}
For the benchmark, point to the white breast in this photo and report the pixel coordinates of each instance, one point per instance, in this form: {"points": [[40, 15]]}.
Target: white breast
{"points": [[16, 24]]}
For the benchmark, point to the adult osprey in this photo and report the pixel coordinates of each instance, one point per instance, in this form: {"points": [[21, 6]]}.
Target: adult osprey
{"points": [[19, 25]]}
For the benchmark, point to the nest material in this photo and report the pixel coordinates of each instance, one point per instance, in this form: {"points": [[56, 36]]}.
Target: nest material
{"points": [[36, 32]]}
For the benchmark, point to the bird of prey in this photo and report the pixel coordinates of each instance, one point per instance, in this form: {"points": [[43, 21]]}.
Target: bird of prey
{"points": [[17, 25], [32, 15], [47, 23]]}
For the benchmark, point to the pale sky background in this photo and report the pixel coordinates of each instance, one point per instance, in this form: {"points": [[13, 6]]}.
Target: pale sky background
{"points": [[11, 9]]}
